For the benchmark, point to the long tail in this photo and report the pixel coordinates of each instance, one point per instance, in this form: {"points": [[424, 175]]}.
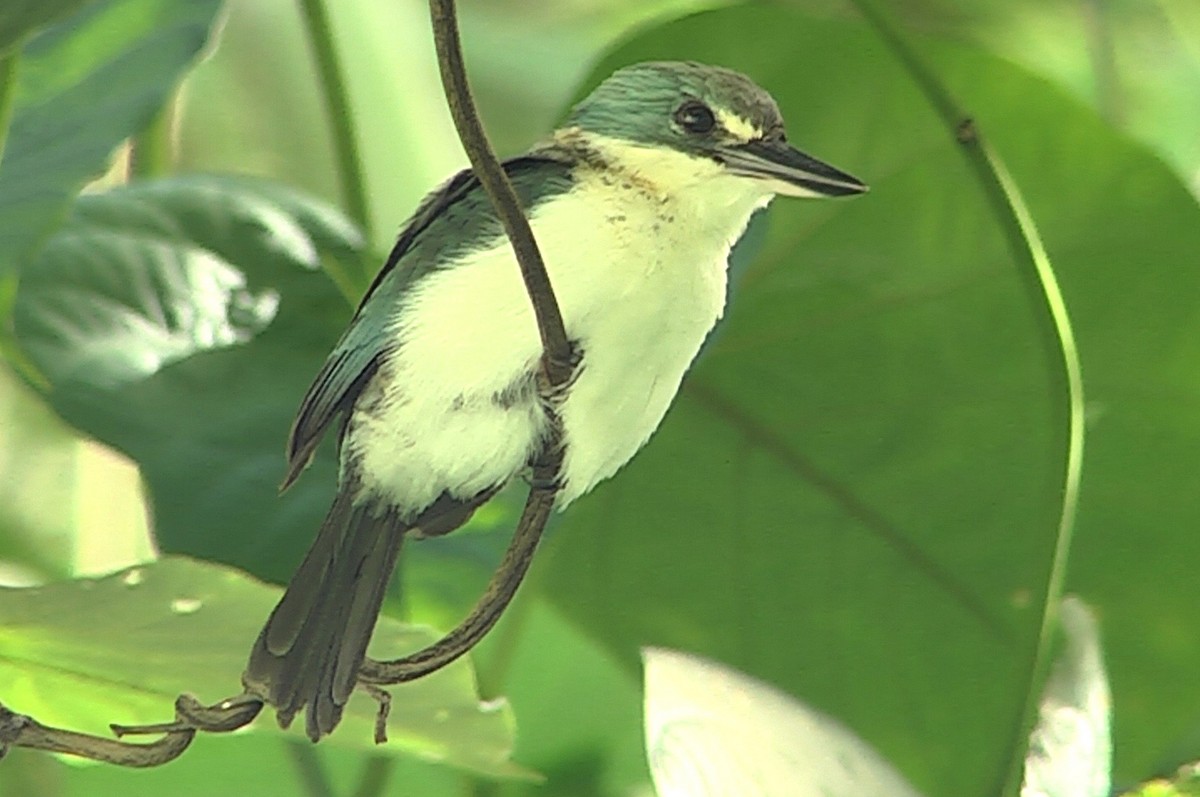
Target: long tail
{"points": [[316, 638]]}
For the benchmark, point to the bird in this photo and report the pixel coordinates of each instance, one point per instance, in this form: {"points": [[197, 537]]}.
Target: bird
{"points": [[635, 202]]}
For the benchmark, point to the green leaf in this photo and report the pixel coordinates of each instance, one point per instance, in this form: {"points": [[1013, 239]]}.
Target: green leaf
{"points": [[37, 510], [578, 711], [82, 654], [856, 495], [1125, 235], [180, 321], [1185, 783], [21, 17], [85, 85], [256, 764], [1149, 92]]}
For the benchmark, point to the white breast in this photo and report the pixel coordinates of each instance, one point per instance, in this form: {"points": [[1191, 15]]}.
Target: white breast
{"points": [[640, 279]]}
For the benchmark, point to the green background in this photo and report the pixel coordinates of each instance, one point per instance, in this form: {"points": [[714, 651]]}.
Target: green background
{"points": [[855, 497]]}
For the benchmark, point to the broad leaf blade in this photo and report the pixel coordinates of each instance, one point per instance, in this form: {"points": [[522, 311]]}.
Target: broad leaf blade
{"points": [[1125, 236], [180, 322], [85, 85], [19, 18], [856, 495], [832, 475], [82, 654], [142, 303]]}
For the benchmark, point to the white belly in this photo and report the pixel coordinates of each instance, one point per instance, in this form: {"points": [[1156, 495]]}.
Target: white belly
{"points": [[640, 284]]}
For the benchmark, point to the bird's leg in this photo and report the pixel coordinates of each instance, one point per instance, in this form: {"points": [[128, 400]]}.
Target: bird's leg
{"points": [[384, 699], [554, 382], [543, 490], [555, 377]]}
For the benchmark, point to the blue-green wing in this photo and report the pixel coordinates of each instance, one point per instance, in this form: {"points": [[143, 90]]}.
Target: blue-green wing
{"points": [[463, 210]]}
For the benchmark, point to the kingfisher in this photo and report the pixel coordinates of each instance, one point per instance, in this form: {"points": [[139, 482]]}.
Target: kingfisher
{"points": [[635, 202]]}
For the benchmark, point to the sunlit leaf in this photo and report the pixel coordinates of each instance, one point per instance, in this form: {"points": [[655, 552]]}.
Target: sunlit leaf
{"points": [[82, 654], [1185, 783], [1137, 64], [141, 304]]}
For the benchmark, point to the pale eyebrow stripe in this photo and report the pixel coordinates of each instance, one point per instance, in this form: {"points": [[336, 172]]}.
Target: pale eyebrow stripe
{"points": [[739, 127]]}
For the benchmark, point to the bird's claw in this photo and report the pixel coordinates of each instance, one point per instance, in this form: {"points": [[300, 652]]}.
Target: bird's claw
{"points": [[554, 393]]}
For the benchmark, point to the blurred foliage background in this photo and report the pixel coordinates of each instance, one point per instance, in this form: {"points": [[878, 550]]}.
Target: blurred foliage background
{"points": [[856, 497]]}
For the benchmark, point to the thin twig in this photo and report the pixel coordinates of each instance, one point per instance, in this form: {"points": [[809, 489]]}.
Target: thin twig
{"points": [[190, 714], [19, 730], [557, 359]]}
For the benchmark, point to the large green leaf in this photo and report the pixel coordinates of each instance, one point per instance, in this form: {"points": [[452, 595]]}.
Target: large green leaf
{"points": [[863, 468], [19, 18], [856, 495], [1125, 236], [180, 321], [579, 712], [85, 85], [1137, 64], [83, 654]]}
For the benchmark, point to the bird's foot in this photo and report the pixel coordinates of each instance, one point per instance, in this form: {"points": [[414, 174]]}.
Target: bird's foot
{"points": [[384, 699], [544, 475], [555, 379]]}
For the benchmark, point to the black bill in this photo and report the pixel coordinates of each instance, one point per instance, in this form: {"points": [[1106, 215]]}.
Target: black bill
{"points": [[792, 172]]}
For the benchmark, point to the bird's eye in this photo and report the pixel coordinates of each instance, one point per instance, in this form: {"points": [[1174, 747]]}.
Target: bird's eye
{"points": [[695, 117]]}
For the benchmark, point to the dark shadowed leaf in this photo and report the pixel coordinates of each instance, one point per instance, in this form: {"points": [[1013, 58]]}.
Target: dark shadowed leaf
{"points": [[19, 18], [180, 322], [856, 495], [1125, 238]]}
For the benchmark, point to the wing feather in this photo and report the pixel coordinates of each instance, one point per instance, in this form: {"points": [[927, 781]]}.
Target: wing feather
{"points": [[367, 341]]}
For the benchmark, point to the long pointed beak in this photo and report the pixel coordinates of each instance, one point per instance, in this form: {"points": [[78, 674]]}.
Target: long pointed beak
{"points": [[790, 171]]}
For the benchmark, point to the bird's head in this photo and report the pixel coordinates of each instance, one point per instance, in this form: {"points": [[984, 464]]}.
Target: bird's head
{"points": [[722, 124]]}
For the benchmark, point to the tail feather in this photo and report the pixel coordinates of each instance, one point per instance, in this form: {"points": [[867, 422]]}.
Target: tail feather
{"points": [[313, 644]]}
